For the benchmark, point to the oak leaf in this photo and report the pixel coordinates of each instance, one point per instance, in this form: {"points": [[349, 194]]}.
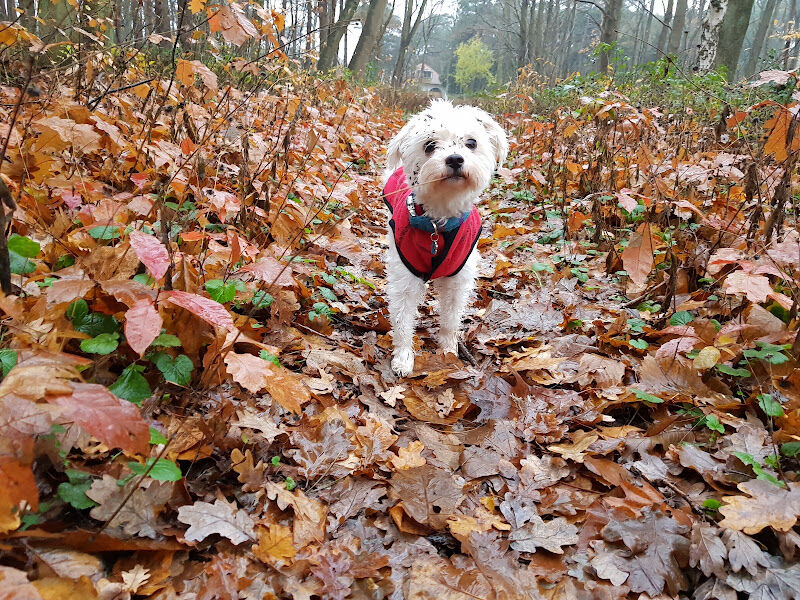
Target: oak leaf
{"points": [[550, 535], [205, 519], [429, 495], [766, 505], [707, 550], [658, 552], [274, 544], [135, 514]]}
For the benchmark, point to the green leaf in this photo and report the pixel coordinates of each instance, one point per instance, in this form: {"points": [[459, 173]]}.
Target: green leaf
{"points": [[262, 299], [328, 294], [712, 422], [176, 370], [640, 344], [269, 357], [746, 458], [8, 360], [20, 265], [156, 437], [637, 325], [144, 279], [77, 310], [105, 343], [329, 279], [539, 267], [647, 397], [166, 340], [711, 504], [220, 291], [770, 405], [790, 449], [735, 372], [23, 246], [92, 324], [163, 469], [105, 232], [275, 460], [290, 484], [73, 492], [131, 385], [682, 317], [64, 261]]}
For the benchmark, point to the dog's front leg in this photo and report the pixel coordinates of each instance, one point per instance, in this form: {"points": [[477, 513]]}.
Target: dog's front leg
{"points": [[454, 294], [405, 291]]}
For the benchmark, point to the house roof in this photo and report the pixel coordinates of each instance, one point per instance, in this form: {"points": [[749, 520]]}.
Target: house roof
{"points": [[434, 78]]}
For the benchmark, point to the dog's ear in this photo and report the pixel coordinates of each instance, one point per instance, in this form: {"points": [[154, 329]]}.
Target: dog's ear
{"points": [[393, 157], [497, 136]]}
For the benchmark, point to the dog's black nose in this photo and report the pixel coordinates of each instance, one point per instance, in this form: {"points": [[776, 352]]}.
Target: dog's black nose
{"points": [[454, 161]]}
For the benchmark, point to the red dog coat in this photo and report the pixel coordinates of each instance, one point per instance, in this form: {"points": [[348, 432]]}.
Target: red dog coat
{"points": [[427, 250]]}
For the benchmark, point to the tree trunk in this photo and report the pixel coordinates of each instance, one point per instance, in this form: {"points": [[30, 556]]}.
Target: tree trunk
{"points": [[537, 36], [608, 31], [645, 48], [761, 34], [674, 43], [406, 35], [28, 17], [522, 52], [731, 35], [665, 29], [709, 38], [566, 51], [369, 36], [329, 51]]}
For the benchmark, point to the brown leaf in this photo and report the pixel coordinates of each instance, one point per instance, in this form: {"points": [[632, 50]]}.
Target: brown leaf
{"points": [[659, 552], [19, 491], [220, 518], [766, 505], [638, 257], [744, 551], [429, 495], [67, 290], [550, 535], [707, 550], [137, 515], [60, 588], [115, 422]]}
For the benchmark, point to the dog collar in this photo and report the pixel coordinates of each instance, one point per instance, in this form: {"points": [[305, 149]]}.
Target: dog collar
{"points": [[425, 223]]}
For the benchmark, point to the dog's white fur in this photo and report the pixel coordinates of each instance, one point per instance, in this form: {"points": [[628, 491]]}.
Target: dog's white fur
{"points": [[442, 196]]}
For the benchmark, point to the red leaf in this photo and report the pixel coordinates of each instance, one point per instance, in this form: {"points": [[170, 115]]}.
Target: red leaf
{"points": [[151, 252], [638, 256], [115, 422], [207, 309], [142, 325]]}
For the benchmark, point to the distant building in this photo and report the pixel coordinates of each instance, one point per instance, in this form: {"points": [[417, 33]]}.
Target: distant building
{"points": [[428, 80]]}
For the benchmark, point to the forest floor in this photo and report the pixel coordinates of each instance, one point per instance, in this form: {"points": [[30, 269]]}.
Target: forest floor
{"points": [[197, 401]]}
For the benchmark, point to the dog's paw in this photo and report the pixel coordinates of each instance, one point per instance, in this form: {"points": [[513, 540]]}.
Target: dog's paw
{"points": [[403, 362]]}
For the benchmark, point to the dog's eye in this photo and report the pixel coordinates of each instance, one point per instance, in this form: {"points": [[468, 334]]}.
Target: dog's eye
{"points": [[429, 147], [471, 144]]}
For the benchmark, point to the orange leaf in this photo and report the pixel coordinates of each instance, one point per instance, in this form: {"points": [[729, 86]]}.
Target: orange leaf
{"points": [[274, 543], [142, 325]]}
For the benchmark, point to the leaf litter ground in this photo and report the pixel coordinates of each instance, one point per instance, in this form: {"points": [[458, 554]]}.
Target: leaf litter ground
{"points": [[197, 401]]}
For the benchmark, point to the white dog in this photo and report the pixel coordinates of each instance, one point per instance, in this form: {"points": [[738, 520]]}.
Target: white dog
{"points": [[438, 165]]}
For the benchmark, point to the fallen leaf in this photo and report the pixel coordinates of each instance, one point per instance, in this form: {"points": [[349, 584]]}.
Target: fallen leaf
{"points": [[220, 518]]}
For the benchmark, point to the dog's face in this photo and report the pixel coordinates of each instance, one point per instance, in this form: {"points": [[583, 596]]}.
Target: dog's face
{"points": [[449, 154]]}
